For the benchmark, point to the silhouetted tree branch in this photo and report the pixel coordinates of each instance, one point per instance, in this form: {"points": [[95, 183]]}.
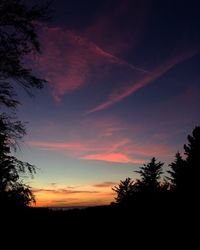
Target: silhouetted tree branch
{"points": [[12, 187], [18, 38]]}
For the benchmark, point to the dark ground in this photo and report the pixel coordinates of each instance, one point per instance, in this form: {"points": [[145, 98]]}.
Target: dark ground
{"points": [[147, 225]]}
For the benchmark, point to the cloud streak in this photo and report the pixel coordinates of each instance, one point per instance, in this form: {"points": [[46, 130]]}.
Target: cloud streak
{"points": [[119, 94], [64, 191], [119, 151], [106, 140], [112, 152], [107, 184], [69, 60], [57, 146], [113, 157]]}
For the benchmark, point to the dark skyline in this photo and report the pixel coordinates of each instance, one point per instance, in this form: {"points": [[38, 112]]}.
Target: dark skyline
{"points": [[124, 86]]}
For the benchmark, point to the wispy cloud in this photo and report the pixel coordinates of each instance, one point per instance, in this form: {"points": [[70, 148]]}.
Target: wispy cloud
{"points": [[104, 126], [69, 60], [108, 140], [63, 61], [57, 146], [107, 184], [118, 151], [64, 191], [119, 94], [148, 149], [113, 157], [110, 152]]}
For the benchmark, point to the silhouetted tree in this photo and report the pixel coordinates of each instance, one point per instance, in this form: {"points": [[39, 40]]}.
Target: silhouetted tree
{"points": [[178, 174], [13, 192], [192, 152], [18, 38], [150, 175], [124, 191]]}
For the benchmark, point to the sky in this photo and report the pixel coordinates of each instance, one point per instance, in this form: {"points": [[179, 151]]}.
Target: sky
{"points": [[123, 87]]}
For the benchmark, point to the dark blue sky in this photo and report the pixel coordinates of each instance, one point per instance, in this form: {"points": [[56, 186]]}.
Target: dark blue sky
{"points": [[124, 86]]}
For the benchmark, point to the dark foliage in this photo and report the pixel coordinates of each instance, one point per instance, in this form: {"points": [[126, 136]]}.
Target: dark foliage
{"points": [[147, 187], [13, 192], [180, 186], [124, 191], [18, 38], [192, 152], [150, 175], [178, 174]]}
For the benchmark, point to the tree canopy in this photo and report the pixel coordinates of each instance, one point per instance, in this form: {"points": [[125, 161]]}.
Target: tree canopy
{"points": [[182, 181]]}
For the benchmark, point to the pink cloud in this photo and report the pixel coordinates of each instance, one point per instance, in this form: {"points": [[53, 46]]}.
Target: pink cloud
{"points": [[112, 157], [108, 140], [122, 150], [119, 94], [79, 148], [69, 60], [148, 150], [115, 59], [104, 126], [63, 61]]}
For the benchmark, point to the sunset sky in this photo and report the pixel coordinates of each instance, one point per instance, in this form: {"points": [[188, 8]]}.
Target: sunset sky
{"points": [[123, 86]]}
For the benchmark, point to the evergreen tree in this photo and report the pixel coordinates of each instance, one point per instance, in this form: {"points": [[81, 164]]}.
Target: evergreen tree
{"points": [[178, 174], [192, 152], [124, 191], [150, 175]]}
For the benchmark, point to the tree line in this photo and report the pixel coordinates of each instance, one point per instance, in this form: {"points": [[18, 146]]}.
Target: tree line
{"points": [[181, 181]]}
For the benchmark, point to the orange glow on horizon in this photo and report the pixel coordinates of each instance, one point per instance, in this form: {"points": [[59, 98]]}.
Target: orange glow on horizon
{"points": [[100, 194]]}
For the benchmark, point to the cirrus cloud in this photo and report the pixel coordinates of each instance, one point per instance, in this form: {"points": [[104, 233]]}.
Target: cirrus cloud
{"points": [[112, 157], [69, 60], [119, 94]]}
